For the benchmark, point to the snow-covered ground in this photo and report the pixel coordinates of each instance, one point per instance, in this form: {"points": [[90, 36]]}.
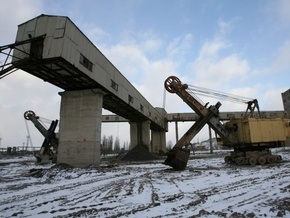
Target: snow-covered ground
{"points": [[207, 188]]}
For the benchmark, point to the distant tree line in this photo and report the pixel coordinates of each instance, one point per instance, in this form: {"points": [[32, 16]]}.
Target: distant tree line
{"points": [[111, 146]]}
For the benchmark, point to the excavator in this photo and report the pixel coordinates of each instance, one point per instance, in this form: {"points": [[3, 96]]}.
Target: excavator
{"points": [[48, 150], [250, 137]]}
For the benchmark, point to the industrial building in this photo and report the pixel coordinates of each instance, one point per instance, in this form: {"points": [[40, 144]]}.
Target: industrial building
{"points": [[286, 100]]}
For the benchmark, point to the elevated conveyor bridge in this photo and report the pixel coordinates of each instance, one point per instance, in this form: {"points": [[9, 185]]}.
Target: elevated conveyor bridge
{"points": [[55, 50]]}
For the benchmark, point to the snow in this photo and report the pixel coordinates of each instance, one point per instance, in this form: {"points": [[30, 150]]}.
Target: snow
{"points": [[207, 188]]}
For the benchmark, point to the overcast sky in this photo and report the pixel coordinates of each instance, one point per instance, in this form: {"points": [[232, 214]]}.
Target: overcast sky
{"points": [[238, 47]]}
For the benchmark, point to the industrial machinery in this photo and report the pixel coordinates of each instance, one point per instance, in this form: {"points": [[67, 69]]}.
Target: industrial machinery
{"points": [[250, 137], [49, 146]]}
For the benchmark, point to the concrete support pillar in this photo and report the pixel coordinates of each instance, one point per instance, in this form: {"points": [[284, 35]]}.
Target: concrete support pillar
{"points": [[80, 128], [140, 133], [158, 141], [146, 133], [134, 136]]}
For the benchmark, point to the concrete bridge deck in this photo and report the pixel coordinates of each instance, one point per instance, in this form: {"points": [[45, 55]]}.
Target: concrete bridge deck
{"points": [[184, 117]]}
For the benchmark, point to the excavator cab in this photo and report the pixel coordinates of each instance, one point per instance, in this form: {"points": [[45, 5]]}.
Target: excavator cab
{"points": [[177, 158]]}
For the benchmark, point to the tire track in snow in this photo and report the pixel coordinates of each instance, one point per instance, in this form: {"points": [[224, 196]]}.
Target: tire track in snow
{"points": [[139, 190], [21, 202]]}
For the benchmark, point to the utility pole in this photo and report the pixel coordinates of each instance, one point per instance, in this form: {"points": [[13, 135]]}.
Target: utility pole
{"points": [[176, 131], [210, 139]]}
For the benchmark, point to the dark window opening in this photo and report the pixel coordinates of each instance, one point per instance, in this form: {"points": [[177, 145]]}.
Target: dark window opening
{"points": [[130, 99], [141, 108], [114, 85], [86, 63], [36, 49]]}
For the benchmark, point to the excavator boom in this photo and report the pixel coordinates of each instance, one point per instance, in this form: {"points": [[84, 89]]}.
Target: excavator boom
{"points": [[50, 140], [178, 156], [250, 137]]}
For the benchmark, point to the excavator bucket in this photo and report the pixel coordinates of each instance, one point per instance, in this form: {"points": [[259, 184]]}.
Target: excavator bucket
{"points": [[177, 158]]}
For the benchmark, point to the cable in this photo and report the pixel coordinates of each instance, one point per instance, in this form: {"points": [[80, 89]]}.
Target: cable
{"points": [[195, 96], [8, 73], [217, 94]]}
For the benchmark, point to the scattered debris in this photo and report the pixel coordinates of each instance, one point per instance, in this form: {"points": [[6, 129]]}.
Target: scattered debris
{"points": [[36, 172], [207, 188], [139, 153]]}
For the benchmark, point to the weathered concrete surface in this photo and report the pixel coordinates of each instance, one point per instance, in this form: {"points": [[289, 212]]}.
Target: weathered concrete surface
{"points": [[140, 133], [158, 141], [80, 128]]}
